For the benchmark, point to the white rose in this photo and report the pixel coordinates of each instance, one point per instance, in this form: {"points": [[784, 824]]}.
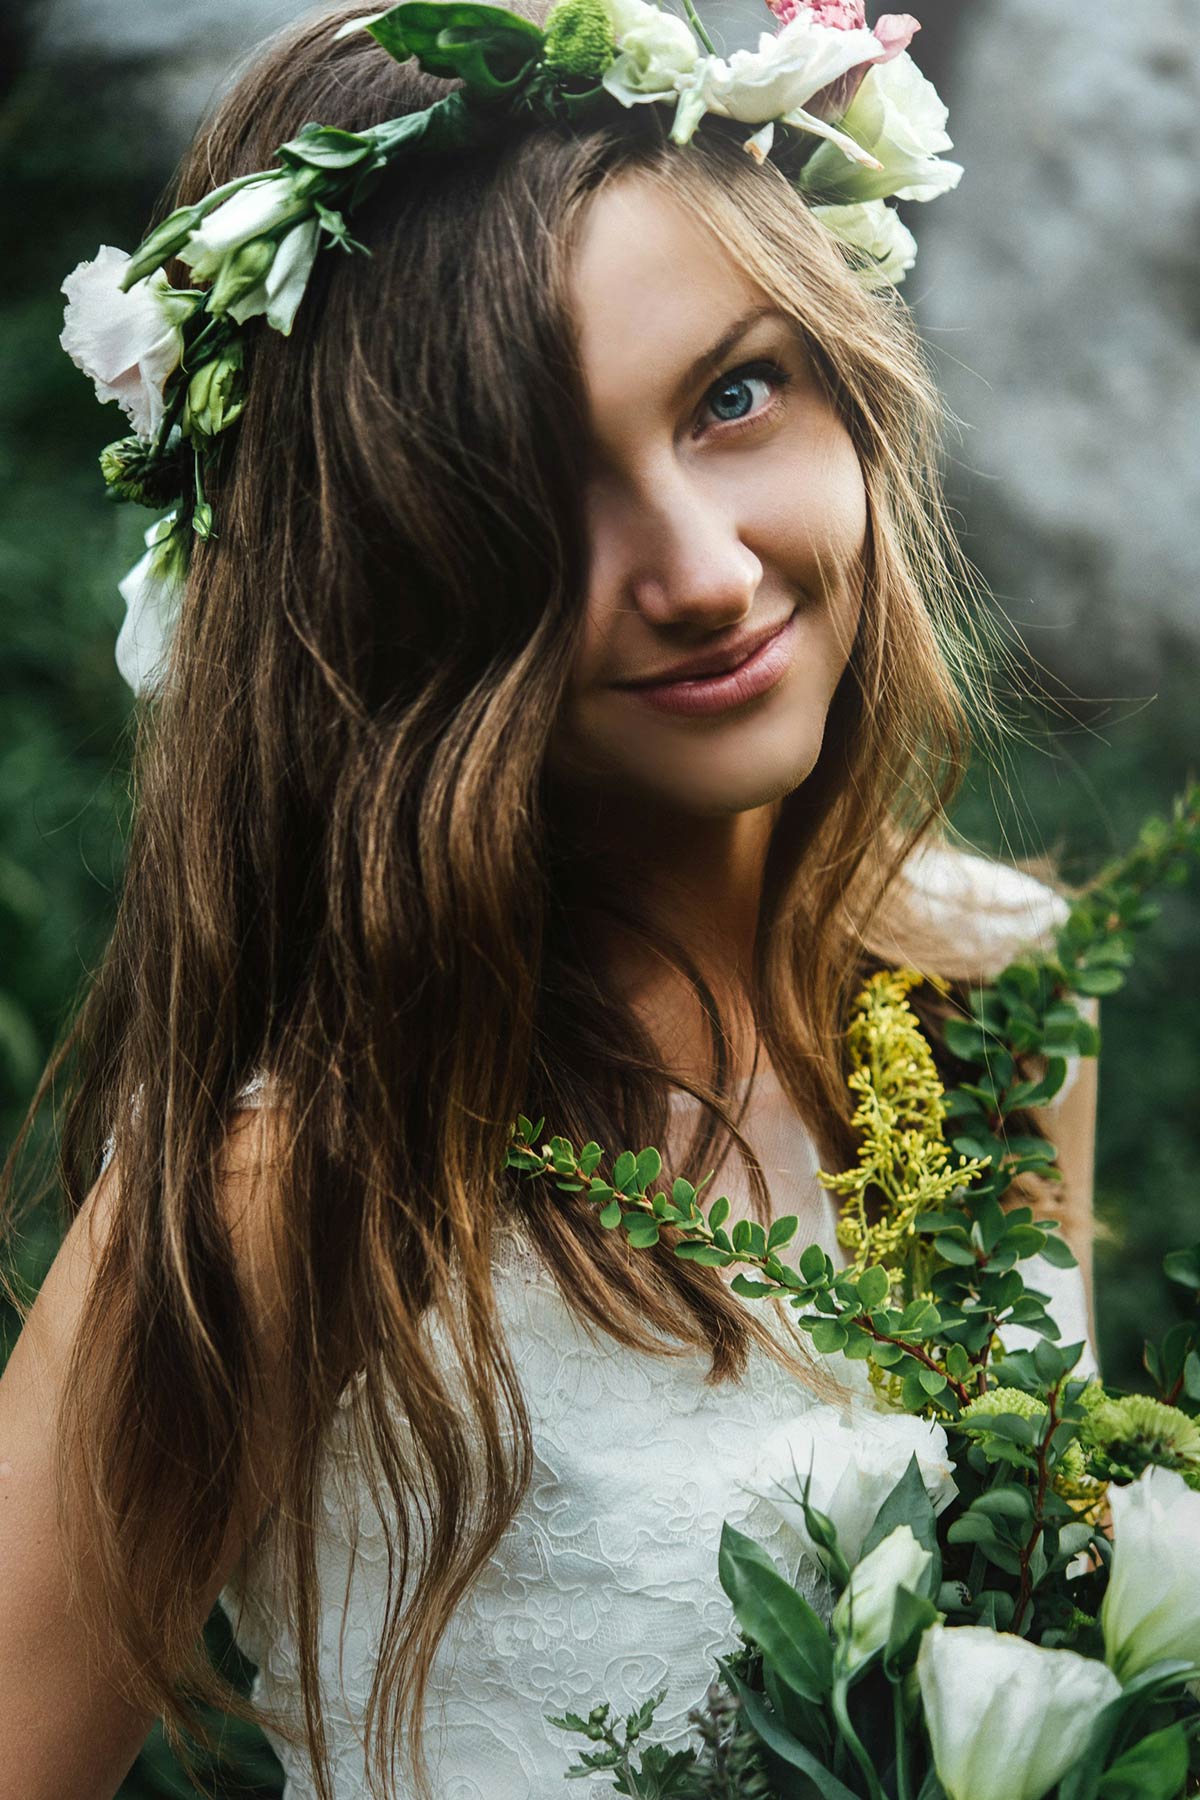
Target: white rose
{"points": [[657, 53], [856, 1456], [1006, 1718], [153, 593], [1151, 1609], [887, 245], [862, 1618], [253, 212], [128, 343], [900, 118]]}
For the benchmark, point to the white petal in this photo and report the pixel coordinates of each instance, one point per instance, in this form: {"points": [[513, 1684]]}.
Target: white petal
{"points": [[936, 178], [289, 274], [804, 121], [251, 212], [786, 70], [759, 144], [153, 593], [877, 230], [1006, 1718], [1152, 1607], [128, 343]]}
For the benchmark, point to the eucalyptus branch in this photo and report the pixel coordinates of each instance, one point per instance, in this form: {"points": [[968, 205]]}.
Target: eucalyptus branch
{"points": [[849, 1304]]}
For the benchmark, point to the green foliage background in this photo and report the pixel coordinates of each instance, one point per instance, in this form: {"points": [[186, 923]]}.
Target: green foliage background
{"points": [[83, 167]]}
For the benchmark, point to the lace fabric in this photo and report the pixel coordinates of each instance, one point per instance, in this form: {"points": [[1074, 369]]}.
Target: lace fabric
{"points": [[604, 1585]]}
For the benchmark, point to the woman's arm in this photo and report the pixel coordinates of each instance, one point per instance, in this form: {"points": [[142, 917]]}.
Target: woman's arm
{"points": [[65, 1734]]}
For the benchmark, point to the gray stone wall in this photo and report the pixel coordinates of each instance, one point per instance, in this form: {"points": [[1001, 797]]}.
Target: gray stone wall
{"points": [[1060, 288]]}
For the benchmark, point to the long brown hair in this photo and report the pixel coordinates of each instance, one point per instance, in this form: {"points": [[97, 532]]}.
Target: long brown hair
{"points": [[347, 868]]}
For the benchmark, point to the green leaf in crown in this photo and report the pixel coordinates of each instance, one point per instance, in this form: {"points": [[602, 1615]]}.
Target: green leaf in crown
{"points": [[489, 49]]}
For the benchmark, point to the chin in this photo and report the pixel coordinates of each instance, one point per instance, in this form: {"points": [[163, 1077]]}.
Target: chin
{"points": [[717, 782]]}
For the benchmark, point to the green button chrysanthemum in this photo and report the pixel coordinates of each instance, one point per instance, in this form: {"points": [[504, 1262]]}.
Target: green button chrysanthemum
{"points": [[579, 38], [1072, 1469], [1134, 1433], [999, 1400]]}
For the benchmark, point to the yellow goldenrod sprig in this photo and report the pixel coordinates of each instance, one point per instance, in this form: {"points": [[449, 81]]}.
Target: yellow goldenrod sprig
{"points": [[903, 1157]]}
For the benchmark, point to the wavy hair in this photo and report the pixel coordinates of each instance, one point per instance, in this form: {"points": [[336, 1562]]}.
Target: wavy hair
{"points": [[347, 868]]}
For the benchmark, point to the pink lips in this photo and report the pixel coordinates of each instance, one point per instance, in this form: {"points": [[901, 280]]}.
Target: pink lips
{"points": [[702, 694]]}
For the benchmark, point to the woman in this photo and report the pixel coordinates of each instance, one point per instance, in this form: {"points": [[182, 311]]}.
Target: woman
{"points": [[561, 719]]}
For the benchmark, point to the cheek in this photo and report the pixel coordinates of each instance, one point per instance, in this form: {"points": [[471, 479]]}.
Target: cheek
{"points": [[813, 519]]}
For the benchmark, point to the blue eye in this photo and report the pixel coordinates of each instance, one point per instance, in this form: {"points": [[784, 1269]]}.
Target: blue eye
{"points": [[732, 398]]}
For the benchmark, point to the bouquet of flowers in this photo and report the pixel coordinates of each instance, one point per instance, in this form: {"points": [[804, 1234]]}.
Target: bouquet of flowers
{"points": [[1010, 1551]]}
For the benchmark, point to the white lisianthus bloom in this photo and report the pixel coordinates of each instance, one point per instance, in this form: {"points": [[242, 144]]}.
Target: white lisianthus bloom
{"points": [[253, 212], [281, 290], [888, 248], [153, 593], [657, 53], [128, 343], [777, 80], [856, 1455], [1006, 1718], [1151, 1610], [898, 115], [862, 1618]]}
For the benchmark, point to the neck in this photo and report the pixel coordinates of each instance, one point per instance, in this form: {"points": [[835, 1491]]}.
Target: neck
{"points": [[701, 884]]}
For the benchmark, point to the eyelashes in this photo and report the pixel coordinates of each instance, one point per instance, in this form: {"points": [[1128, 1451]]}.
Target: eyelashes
{"points": [[725, 389]]}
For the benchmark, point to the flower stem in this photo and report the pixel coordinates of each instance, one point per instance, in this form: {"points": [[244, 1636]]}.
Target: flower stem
{"points": [[903, 1791], [698, 26], [853, 1742], [1025, 1594]]}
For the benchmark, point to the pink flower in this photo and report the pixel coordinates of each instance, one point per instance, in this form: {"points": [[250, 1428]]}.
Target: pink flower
{"points": [[843, 15], [893, 31]]}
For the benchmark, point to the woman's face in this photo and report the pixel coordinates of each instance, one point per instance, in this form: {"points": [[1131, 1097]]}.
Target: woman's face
{"points": [[727, 521]]}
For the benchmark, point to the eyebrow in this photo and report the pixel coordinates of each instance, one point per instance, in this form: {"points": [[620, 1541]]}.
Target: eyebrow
{"points": [[710, 360]]}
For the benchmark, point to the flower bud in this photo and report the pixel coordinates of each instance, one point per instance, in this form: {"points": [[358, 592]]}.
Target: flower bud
{"points": [[216, 395], [241, 272], [133, 471], [862, 1618], [579, 38], [165, 241]]}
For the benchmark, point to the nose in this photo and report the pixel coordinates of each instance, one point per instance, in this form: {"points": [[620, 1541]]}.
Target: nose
{"points": [[679, 556]]}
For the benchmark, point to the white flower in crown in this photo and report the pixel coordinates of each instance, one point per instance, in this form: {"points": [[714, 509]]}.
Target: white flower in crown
{"points": [[153, 593], [885, 249], [899, 117], [777, 81], [258, 249], [255, 210], [657, 53], [128, 343]]}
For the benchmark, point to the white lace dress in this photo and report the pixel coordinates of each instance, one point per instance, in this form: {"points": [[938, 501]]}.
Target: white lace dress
{"points": [[605, 1584]]}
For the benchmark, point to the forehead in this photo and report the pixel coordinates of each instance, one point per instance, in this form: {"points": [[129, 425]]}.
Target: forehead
{"points": [[651, 288]]}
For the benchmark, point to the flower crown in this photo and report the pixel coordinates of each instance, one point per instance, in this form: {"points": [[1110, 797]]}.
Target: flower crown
{"points": [[174, 357]]}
